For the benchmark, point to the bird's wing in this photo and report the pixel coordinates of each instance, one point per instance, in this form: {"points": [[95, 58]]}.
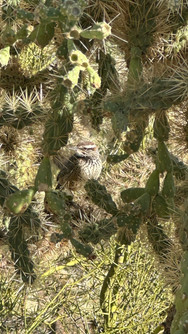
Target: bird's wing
{"points": [[69, 170]]}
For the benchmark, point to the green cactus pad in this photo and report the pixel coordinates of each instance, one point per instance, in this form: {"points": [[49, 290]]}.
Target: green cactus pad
{"points": [[82, 249], [131, 194], [42, 34], [65, 226], [164, 162], [143, 203], [152, 184], [161, 126], [55, 202], [100, 30], [19, 201], [119, 123], [168, 190], [161, 207], [100, 196], [94, 79], [43, 180]]}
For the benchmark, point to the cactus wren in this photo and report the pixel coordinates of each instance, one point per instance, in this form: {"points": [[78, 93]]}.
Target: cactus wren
{"points": [[83, 165]]}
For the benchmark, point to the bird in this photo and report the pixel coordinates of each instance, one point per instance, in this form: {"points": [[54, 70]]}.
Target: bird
{"points": [[83, 165]]}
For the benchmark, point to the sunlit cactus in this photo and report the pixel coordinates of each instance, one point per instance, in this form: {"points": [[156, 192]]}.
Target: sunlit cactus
{"points": [[19, 201]]}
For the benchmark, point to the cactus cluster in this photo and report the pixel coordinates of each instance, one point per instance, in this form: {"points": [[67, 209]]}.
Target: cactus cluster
{"points": [[28, 39]]}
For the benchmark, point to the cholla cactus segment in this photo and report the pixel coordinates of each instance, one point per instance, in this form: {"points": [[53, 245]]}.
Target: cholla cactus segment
{"points": [[161, 126], [24, 15], [19, 115], [135, 67], [152, 184], [131, 194], [134, 138], [119, 122], [55, 202], [43, 180], [142, 203], [4, 56], [73, 9], [6, 188], [34, 59], [18, 202], [65, 226], [78, 58], [160, 242], [93, 80], [70, 80], [100, 230], [82, 249], [180, 321], [108, 73], [100, 30], [100, 196], [130, 221], [57, 128], [19, 250], [42, 34], [160, 207], [168, 190], [164, 162]]}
